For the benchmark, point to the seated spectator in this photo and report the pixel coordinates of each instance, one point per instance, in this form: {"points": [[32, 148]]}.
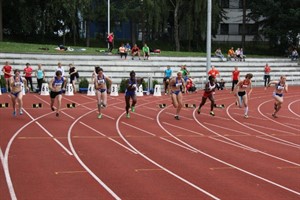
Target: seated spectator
{"points": [[218, 53], [128, 47], [185, 73], [190, 86], [122, 51], [221, 84], [238, 54], [242, 55], [231, 54], [294, 55], [135, 51], [146, 52]]}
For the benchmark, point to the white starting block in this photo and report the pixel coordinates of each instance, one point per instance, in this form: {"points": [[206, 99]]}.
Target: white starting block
{"points": [[45, 89], [23, 89], [114, 90], [157, 91], [139, 91], [69, 90], [91, 90]]}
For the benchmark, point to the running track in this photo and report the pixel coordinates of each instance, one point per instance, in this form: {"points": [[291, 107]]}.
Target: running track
{"points": [[151, 155]]}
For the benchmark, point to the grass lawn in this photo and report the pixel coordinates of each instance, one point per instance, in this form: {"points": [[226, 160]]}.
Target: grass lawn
{"points": [[13, 47]]}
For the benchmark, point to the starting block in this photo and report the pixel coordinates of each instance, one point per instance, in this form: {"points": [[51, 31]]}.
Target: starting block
{"points": [[37, 105], [189, 105], [219, 106], [71, 105], [4, 105], [162, 105]]}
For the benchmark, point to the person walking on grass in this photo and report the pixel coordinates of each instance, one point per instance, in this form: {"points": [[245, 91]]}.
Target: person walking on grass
{"points": [[101, 90], [280, 87], [209, 90], [242, 97], [177, 84]]}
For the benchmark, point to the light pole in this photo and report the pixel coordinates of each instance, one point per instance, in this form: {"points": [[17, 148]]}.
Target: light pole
{"points": [[208, 37]]}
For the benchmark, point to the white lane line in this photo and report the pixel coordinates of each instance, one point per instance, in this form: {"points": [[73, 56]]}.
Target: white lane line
{"points": [[179, 127], [272, 129], [289, 107], [112, 193], [276, 141], [182, 146], [102, 134], [229, 129], [160, 166], [132, 126]]}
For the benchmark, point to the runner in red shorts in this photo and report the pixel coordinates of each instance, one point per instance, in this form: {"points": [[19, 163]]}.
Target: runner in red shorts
{"points": [[209, 90]]}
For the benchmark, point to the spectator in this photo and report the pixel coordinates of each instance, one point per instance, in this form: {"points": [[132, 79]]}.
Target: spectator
{"points": [[73, 73], [221, 84], [214, 72], [168, 74], [110, 40], [127, 47], [238, 54], [122, 51], [40, 75], [294, 55], [146, 52], [28, 75], [218, 53], [184, 72], [231, 54], [235, 77], [267, 76], [7, 69], [60, 68], [242, 55], [190, 86], [135, 51]]}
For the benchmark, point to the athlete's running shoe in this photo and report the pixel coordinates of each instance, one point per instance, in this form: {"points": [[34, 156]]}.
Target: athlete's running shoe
{"points": [[246, 116], [274, 115], [132, 108], [14, 113], [99, 116], [199, 111], [128, 115], [212, 113], [57, 114], [21, 112], [52, 108], [176, 117]]}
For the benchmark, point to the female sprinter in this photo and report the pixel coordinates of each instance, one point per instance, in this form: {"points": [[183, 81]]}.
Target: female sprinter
{"points": [[280, 87], [56, 85], [241, 94], [16, 87], [101, 90], [131, 92], [209, 90], [175, 86]]}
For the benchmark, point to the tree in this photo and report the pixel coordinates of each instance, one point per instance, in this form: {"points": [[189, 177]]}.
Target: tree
{"points": [[278, 20], [1, 24]]}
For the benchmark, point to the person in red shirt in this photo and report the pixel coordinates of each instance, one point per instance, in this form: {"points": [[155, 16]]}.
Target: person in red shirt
{"points": [[110, 40], [241, 92], [213, 72], [28, 77], [235, 77], [7, 69], [135, 51], [267, 76]]}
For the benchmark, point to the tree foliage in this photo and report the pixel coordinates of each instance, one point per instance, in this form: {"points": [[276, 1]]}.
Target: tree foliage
{"points": [[279, 21]]}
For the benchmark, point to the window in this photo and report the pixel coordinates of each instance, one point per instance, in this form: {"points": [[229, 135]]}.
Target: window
{"points": [[224, 29], [224, 3], [251, 29]]}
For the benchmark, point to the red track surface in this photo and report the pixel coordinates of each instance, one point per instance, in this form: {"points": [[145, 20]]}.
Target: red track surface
{"points": [[151, 155]]}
